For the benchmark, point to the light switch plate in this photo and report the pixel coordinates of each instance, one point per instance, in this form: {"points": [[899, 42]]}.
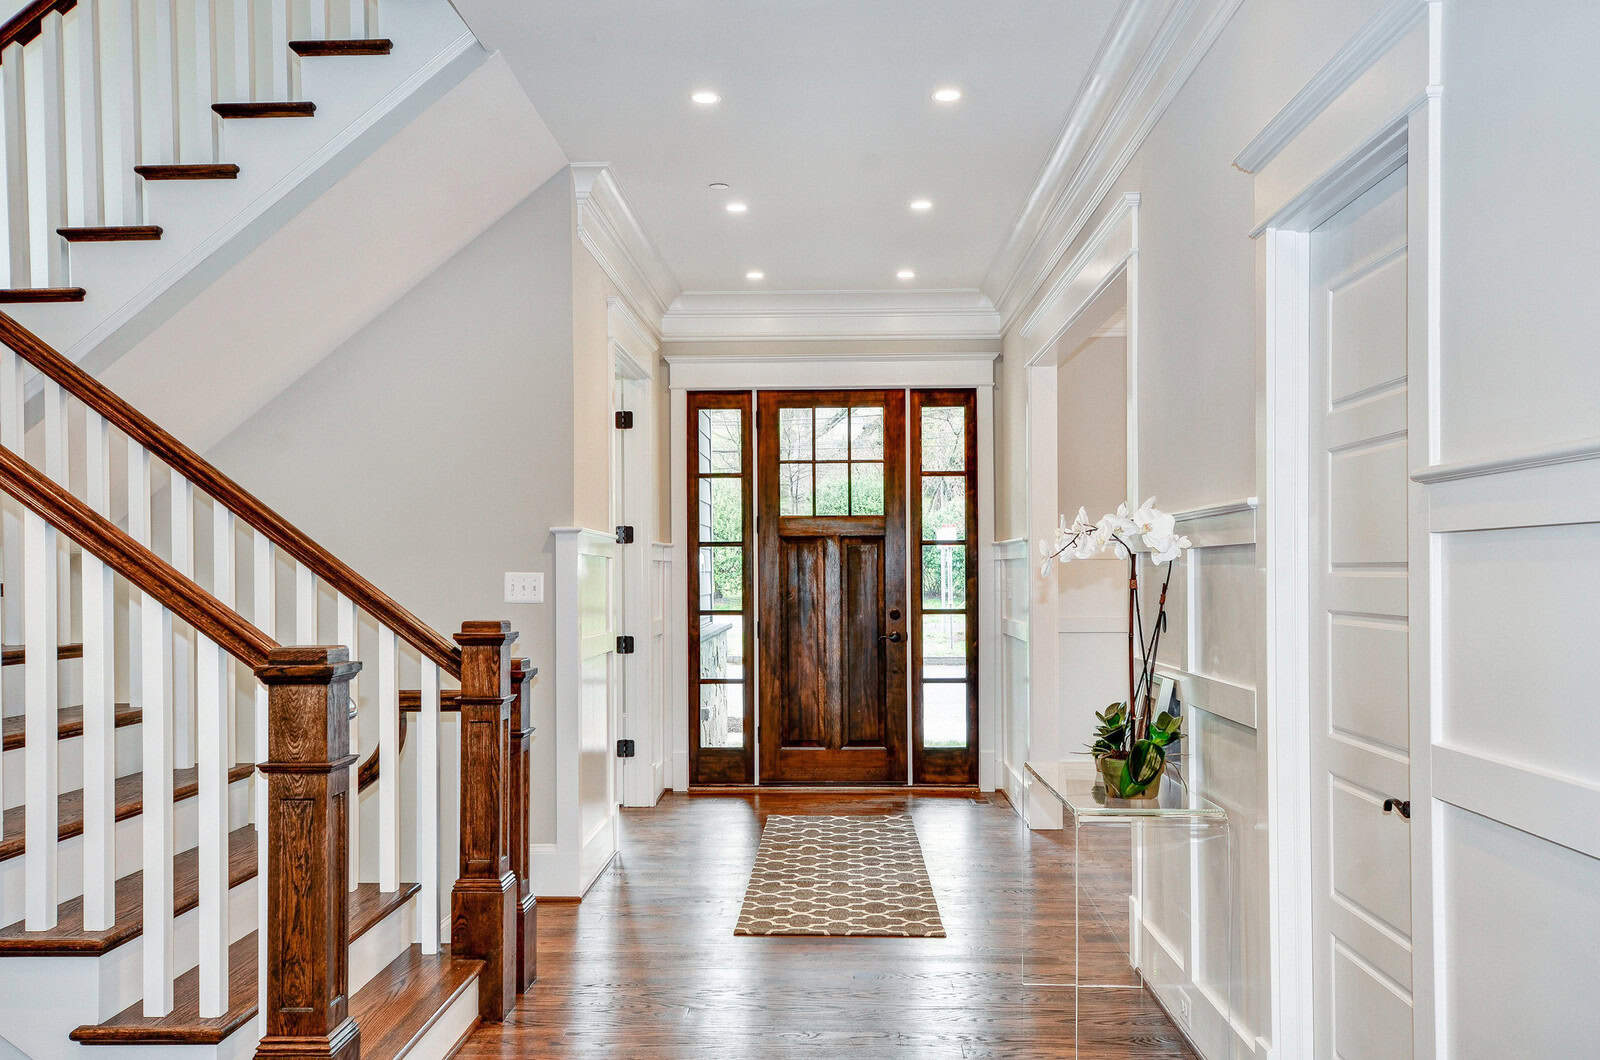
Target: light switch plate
{"points": [[524, 587]]}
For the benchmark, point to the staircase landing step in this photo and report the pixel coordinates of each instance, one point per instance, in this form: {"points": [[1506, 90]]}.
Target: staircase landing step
{"points": [[363, 46], [69, 723], [401, 1002], [68, 937], [283, 109], [190, 171], [109, 233], [16, 654], [20, 295]]}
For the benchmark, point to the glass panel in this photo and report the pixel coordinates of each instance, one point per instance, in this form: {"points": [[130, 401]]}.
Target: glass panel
{"points": [[866, 433], [944, 715], [944, 441], [833, 489], [722, 647], [721, 575], [721, 509], [866, 489], [944, 646], [722, 715], [833, 434], [794, 434], [794, 489], [721, 441], [944, 577], [944, 508]]}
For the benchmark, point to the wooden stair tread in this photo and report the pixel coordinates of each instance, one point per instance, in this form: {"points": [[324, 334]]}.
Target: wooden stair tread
{"points": [[401, 1002], [68, 937], [279, 109], [109, 233], [16, 654], [307, 49], [21, 295], [183, 1025], [190, 171], [69, 723], [129, 799], [368, 905]]}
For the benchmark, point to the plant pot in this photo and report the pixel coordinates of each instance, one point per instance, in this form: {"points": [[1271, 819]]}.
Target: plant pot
{"points": [[1111, 775]]}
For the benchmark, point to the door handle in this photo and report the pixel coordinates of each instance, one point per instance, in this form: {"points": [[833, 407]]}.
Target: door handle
{"points": [[1401, 805], [892, 638]]}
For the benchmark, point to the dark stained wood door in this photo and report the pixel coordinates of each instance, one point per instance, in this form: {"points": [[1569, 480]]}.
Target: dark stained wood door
{"points": [[831, 529]]}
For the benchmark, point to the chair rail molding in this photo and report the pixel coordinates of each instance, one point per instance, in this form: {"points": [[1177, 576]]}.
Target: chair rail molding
{"points": [[799, 316], [608, 227]]}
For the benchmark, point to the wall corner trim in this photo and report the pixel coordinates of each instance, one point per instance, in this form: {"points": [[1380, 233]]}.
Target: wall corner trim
{"points": [[609, 229]]}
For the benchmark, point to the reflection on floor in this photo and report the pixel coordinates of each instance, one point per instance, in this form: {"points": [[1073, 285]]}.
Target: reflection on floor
{"points": [[648, 965]]}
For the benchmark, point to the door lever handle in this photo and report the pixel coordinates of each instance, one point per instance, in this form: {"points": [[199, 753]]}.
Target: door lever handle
{"points": [[1402, 805], [892, 638]]}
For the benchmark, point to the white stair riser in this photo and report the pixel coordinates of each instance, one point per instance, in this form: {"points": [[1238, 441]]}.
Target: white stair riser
{"points": [[69, 764], [452, 1025], [386, 940]]}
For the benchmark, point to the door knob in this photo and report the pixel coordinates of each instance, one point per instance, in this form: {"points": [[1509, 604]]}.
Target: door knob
{"points": [[1402, 805], [892, 638]]}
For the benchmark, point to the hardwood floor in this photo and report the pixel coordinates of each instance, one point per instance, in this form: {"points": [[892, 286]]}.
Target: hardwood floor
{"points": [[648, 965]]}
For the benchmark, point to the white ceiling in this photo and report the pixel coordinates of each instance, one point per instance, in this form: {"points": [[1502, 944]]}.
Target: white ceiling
{"points": [[826, 126]]}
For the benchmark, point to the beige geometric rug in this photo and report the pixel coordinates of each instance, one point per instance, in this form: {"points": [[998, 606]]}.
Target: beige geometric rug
{"points": [[840, 875]]}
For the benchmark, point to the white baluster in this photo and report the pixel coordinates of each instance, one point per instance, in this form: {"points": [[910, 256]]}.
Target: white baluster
{"points": [[234, 63], [343, 18], [305, 605], [99, 693], [315, 26], [428, 809], [139, 530], [195, 50], [265, 590], [388, 761], [10, 526], [52, 112], [90, 119], [223, 588], [181, 494], [119, 78], [40, 862], [19, 227], [346, 609], [155, 725], [272, 49], [159, 124], [55, 466], [215, 759], [371, 9]]}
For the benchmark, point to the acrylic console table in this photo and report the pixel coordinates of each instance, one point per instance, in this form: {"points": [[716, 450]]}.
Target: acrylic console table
{"points": [[1151, 907]]}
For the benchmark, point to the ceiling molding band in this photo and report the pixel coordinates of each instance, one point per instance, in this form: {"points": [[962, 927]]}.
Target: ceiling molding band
{"points": [[609, 229]]}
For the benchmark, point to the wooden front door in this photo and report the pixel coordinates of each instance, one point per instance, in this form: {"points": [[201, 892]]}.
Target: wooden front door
{"points": [[833, 614]]}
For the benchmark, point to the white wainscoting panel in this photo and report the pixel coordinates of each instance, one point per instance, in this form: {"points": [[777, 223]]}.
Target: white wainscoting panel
{"points": [[1008, 583]]}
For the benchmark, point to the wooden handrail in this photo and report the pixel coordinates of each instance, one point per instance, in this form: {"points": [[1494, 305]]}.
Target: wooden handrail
{"points": [[143, 568], [25, 24], [240, 501]]}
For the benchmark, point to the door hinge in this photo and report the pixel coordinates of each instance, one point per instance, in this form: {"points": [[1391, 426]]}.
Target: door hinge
{"points": [[625, 749], [624, 645], [624, 421], [624, 535]]}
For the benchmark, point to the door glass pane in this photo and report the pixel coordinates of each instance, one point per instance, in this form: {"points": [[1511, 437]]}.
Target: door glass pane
{"points": [[721, 509], [944, 646], [722, 647], [833, 489], [944, 715], [944, 445], [794, 434], [721, 577], [833, 434], [794, 489], [944, 577], [866, 433], [866, 489], [721, 441], [722, 715], [944, 508]]}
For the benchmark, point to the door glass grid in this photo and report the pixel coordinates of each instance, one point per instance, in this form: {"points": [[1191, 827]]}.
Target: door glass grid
{"points": [[722, 532], [943, 553], [830, 461]]}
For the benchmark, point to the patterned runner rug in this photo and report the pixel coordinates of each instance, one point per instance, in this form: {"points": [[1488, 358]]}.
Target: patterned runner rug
{"points": [[840, 875]]}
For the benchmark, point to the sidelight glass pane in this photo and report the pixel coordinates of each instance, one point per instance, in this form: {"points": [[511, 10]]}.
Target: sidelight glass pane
{"points": [[722, 647], [944, 646], [794, 434], [721, 441], [944, 508], [721, 577], [722, 715], [944, 715], [866, 433], [833, 434], [794, 489], [721, 514], [866, 489], [833, 489], [944, 577], [944, 439]]}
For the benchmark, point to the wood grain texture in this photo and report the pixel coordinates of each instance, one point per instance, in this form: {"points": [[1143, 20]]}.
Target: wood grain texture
{"points": [[69, 723], [647, 966], [28, 295], [190, 171], [308, 49], [110, 233], [521, 806], [400, 1003], [245, 506], [25, 25], [16, 654], [277, 109]]}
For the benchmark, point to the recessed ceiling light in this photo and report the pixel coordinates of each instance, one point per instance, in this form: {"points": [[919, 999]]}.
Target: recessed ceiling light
{"points": [[736, 207], [906, 274], [717, 185], [921, 205], [707, 98], [755, 274], [949, 94]]}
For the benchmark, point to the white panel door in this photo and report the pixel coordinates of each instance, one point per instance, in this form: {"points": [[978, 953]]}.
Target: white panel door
{"points": [[1360, 753]]}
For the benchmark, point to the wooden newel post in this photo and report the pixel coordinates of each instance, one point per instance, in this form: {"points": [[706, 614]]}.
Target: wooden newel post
{"points": [[483, 906], [521, 864], [308, 792]]}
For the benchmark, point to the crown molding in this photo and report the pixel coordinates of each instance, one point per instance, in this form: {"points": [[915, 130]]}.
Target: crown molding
{"points": [[735, 316], [608, 227], [1148, 55]]}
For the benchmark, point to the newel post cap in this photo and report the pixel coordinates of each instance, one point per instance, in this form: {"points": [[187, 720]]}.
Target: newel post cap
{"points": [[314, 665], [485, 634]]}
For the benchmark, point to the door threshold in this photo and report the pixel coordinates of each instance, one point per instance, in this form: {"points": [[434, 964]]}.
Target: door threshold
{"points": [[833, 789]]}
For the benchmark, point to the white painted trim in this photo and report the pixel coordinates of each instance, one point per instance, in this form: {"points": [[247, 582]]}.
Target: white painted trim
{"points": [[988, 620], [608, 227], [678, 596], [1092, 624], [1554, 807], [1225, 699], [798, 316], [1576, 451], [699, 372]]}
